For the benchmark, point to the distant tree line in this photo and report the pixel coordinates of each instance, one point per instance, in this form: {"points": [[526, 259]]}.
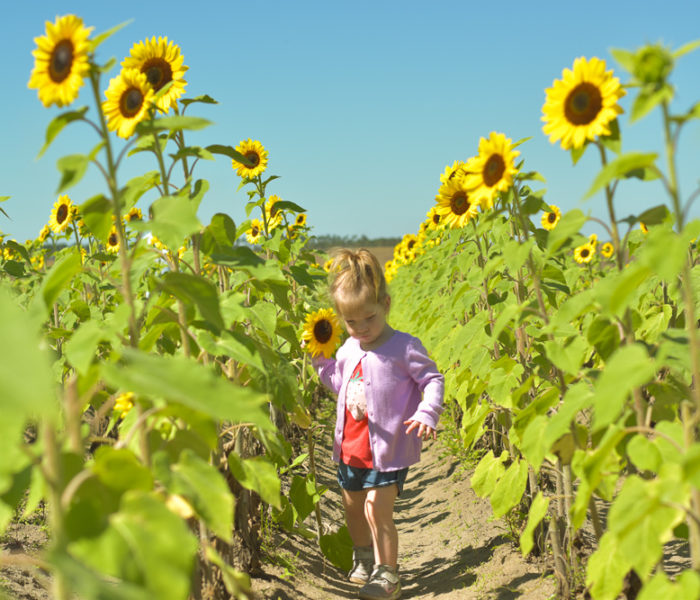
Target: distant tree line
{"points": [[323, 242]]}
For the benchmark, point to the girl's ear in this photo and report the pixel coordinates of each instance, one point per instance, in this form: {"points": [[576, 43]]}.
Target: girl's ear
{"points": [[387, 303]]}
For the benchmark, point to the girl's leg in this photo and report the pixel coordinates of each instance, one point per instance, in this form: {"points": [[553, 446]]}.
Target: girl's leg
{"points": [[379, 510], [354, 503]]}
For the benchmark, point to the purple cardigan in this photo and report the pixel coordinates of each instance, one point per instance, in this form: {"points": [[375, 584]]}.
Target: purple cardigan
{"points": [[395, 375]]}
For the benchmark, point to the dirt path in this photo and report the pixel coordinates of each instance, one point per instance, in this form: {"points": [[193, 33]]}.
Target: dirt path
{"points": [[449, 547]]}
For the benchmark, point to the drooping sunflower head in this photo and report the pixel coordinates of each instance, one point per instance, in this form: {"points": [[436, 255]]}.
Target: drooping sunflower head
{"points": [[456, 204], [61, 215], [493, 169], [272, 212], [112, 243], [584, 253], [255, 232], [607, 250], [456, 171], [321, 332], [550, 219], [256, 155], [161, 62], [580, 106], [61, 61], [644, 228], [134, 214], [43, 234], [129, 99]]}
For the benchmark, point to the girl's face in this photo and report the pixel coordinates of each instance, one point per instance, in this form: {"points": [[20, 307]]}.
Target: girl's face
{"points": [[365, 322]]}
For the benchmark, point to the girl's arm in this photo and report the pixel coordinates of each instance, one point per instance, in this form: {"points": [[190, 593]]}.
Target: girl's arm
{"points": [[431, 382], [328, 372]]}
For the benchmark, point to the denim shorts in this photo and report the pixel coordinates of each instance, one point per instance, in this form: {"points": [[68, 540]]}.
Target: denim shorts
{"points": [[355, 479]]}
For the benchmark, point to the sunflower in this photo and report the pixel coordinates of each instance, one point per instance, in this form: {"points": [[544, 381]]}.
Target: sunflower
{"points": [[551, 218], [161, 62], [321, 332], [61, 61], [300, 221], [255, 233], [644, 228], [256, 155], [434, 220], [113, 240], [607, 250], [124, 403], [328, 265], [134, 214], [129, 98], [455, 204], [593, 240], [584, 253], [43, 234], [492, 170], [274, 215], [455, 171], [61, 215], [582, 104]]}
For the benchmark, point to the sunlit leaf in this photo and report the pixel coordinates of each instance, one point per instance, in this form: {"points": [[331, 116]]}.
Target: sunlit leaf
{"points": [[620, 167]]}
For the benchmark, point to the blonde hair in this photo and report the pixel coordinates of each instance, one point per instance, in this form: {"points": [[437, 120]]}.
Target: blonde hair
{"points": [[356, 277]]}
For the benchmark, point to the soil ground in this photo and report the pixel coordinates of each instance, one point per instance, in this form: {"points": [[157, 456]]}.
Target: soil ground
{"points": [[450, 548]]}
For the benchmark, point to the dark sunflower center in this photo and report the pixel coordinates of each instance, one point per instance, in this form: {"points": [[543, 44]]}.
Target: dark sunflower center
{"points": [[158, 72], [300, 219], [493, 169], [551, 217], [254, 159], [583, 104], [585, 252], [411, 244], [323, 331], [255, 230], [113, 240], [61, 61], [61, 213], [131, 103], [436, 218], [459, 203]]}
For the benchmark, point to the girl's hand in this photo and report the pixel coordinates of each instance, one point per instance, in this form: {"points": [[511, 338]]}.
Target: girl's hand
{"points": [[424, 431]]}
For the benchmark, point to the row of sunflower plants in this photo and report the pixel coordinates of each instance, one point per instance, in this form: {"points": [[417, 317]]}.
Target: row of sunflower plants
{"points": [[571, 362], [156, 394]]}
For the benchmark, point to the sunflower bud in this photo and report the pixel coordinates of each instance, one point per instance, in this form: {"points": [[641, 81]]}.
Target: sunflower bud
{"points": [[653, 65]]}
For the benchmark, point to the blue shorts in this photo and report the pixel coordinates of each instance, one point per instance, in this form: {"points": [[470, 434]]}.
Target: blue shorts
{"points": [[355, 479]]}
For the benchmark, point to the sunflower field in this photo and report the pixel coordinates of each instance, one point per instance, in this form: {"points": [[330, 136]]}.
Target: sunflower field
{"points": [[159, 399]]}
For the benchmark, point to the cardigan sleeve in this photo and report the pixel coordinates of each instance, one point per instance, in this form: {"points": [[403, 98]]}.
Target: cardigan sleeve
{"points": [[430, 381], [328, 372]]}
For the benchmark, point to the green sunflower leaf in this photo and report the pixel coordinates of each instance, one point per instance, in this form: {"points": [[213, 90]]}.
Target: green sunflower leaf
{"points": [[97, 215], [622, 166], [206, 99], [195, 151], [230, 152], [624, 58], [645, 101], [198, 291], [59, 277], [72, 168], [176, 123], [685, 48], [286, 205], [538, 509], [57, 125], [101, 37]]}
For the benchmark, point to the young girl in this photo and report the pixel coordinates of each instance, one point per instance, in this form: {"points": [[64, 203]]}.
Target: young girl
{"points": [[390, 396]]}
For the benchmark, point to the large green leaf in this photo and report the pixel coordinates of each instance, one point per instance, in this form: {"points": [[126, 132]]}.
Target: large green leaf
{"points": [[97, 213], [198, 291], [487, 473], [26, 378], [510, 488], [337, 547], [174, 220], [120, 470], [187, 382], [569, 225], [624, 166], [606, 569], [59, 277], [57, 125], [538, 509], [259, 475]]}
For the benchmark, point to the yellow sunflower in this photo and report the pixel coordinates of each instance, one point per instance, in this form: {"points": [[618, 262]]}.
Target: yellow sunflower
{"points": [[582, 104], [43, 234], [256, 155], [551, 218], [644, 228], [61, 215], [321, 332], [593, 240], [584, 253], [274, 215], [607, 250], [112, 243], [328, 265], [129, 98], [455, 171], [61, 61], [255, 233], [161, 62], [124, 403], [300, 221], [492, 170], [134, 214], [434, 220], [455, 203]]}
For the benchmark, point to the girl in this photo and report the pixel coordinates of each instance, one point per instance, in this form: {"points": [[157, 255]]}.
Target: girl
{"points": [[390, 397]]}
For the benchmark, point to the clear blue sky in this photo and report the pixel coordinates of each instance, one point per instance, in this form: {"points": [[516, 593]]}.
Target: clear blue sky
{"points": [[360, 104]]}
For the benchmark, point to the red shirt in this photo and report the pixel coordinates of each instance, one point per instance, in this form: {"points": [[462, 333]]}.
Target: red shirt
{"points": [[355, 449]]}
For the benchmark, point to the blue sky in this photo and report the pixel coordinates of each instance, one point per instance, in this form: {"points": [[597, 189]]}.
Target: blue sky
{"points": [[360, 104]]}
